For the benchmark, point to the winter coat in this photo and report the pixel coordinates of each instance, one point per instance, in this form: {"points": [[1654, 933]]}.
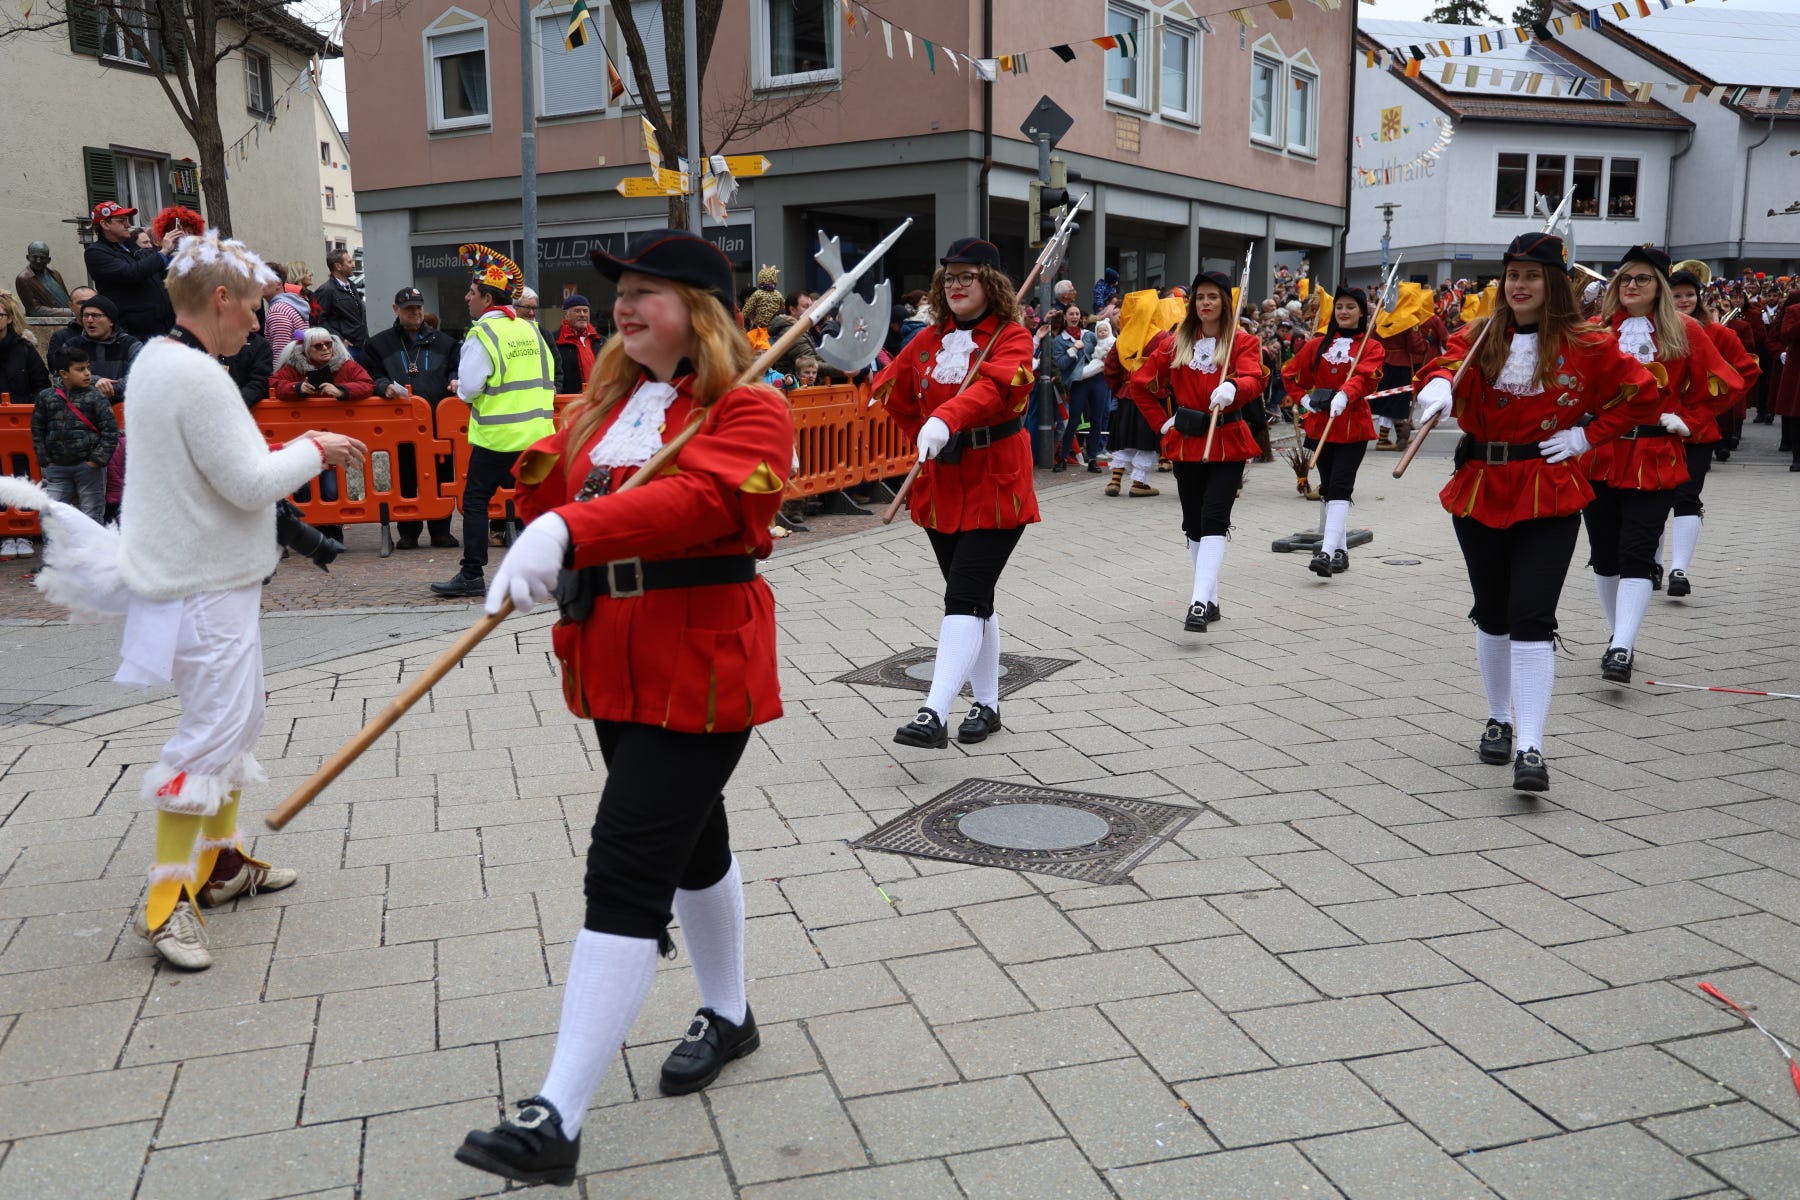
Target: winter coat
{"points": [[392, 355], [110, 358], [22, 371], [340, 309], [250, 368], [346, 374], [132, 278], [571, 377], [72, 428]]}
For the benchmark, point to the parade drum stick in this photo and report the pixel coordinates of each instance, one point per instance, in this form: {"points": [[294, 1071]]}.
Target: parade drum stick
{"points": [[1387, 288], [1420, 434], [1212, 425], [1048, 259]]}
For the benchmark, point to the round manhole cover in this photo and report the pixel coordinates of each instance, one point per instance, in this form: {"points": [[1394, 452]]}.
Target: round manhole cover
{"points": [[1033, 826], [922, 671]]}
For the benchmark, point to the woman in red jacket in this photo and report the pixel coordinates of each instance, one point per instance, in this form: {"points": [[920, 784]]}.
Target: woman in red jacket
{"points": [[1516, 493], [1784, 348], [1635, 477], [1185, 379], [668, 643], [1323, 368], [959, 389], [1706, 435], [317, 365]]}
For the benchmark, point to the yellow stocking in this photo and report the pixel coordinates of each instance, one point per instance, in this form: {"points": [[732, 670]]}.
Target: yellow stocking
{"points": [[216, 832], [173, 871]]}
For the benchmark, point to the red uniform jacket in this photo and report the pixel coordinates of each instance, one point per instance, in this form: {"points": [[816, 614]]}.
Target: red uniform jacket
{"points": [[694, 660], [1593, 376], [1784, 338], [1311, 369], [1730, 345], [991, 487], [350, 378], [1161, 376], [1696, 388]]}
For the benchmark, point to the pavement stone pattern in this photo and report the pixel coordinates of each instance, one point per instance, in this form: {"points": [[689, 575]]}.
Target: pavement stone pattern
{"points": [[1366, 968]]}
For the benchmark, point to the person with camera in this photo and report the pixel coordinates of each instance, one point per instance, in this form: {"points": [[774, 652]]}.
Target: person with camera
{"points": [[196, 540], [319, 366]]}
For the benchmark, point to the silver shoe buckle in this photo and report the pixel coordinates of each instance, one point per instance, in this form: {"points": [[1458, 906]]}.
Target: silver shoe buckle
{"points": [[619, 590]]}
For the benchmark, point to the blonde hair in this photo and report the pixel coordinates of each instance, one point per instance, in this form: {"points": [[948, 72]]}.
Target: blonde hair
{"points": [[15, 313], [1671, 333], [721, 356], [294, 272], [205, 262]]}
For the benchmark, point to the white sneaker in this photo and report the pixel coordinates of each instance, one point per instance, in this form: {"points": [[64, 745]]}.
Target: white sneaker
{"points": [[24, 548], [10, 548], [181, 940]]}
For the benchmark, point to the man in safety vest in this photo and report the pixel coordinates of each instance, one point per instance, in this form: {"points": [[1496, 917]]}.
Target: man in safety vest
{"points": [[506, 374]]}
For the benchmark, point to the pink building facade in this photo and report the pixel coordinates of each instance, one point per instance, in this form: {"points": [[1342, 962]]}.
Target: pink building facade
{"points": [[1196, 148]]}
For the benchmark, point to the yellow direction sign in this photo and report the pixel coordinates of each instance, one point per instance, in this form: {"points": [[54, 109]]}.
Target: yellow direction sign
{"points": [[673, 182], [635, 186], [747, 166]]}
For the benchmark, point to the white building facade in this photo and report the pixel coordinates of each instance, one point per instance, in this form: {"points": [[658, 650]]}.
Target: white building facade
{"points": [[337, 195]]}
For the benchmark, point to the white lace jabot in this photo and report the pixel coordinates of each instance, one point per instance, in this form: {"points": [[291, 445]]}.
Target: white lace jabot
{"points": [[1521, 366], [953, 356], [1338, 351], [1202, 358], [1638, 336], [638, 432]]}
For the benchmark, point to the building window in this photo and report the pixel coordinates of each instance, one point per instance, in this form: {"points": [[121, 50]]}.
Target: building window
{"points": [[142, 182], [331, 197], [1587, 187], [457, 74], [1180, 95], [1265, 97], [569, 81], [1509, 185], [259, 84], [1302, 100], [122, 21], [1621, 188], [325, 153], [799, 42], [1552, 170], [647, 16], [1125, 72]]}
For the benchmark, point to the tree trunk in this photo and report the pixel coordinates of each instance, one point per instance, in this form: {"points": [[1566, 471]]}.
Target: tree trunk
{"points": [[210, 145], [673, 35]]}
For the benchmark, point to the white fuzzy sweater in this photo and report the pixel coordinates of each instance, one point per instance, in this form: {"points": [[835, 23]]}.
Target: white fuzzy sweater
{"points": [[200, 482]]}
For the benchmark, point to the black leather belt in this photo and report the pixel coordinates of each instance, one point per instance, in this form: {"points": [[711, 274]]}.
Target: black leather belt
{"points": [[978, 439], [1193, 422], [1644, 431], [1495, 453], [576, 591]]}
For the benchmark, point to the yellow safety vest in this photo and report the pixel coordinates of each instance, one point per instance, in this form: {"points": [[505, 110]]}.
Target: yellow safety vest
{"points": [[516, 405]]}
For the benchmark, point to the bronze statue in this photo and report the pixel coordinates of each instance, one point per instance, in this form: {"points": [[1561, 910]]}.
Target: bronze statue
{"points": [[39, 288]]}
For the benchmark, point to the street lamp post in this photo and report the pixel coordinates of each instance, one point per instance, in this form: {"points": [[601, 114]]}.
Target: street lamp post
{"points": [[1387, 229]]}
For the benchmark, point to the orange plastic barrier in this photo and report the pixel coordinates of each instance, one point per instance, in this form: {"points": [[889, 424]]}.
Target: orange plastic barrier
{"points": [[17, 457], [843, 442], [386, 493]]}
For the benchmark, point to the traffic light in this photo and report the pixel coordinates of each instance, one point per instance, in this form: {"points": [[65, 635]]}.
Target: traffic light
{"points": [[1052, 197]]}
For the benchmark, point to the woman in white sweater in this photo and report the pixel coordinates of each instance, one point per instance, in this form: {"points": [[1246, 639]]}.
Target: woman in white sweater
{"points": [[197, 538]]}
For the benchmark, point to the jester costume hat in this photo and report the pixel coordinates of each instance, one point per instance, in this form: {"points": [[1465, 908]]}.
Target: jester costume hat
{"points": [[766, 302], [492, 269]]}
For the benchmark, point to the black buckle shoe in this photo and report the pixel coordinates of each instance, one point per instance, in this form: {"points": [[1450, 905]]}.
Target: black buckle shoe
{"points": [[978, 725], [528, 1146], [460, 585], [1320, 564], [1529, 772], [1340, 562], [1195, 621], [1616, 665], [1497, 743], [709, 1043], [925, 730], [1213, 613], [1679, 585], [1656, 573]]}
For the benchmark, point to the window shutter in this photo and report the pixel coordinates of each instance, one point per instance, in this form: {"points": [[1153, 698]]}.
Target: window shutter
{"points": [[85, 27], [102, 178], [184, 183], [174, 50]]}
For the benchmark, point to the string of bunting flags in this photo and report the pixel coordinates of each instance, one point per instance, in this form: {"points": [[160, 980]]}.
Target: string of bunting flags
{"points": [[1485, 41], [1398, 172]]}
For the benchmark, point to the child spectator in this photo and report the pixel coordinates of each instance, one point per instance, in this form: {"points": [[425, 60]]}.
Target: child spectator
{"points": [[74, 434]]}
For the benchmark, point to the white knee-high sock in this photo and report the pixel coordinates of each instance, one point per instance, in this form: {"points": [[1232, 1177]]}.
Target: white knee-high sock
{"points": [[1209, 558], [1337, 520], [984, 679], [1494, 652], [609, 976], [1193, 552], [959, 641], [1607, 588], [1634, 598], [1533, 679], [1685, 534], [712, 926]]}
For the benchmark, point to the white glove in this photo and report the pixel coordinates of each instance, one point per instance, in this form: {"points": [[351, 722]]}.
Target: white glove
{"points": [[1674, 424], [1168, 425], [933, 437], [1223, 395], [1435, 400], [1339, 402], [1564, 444], [528, 572]]}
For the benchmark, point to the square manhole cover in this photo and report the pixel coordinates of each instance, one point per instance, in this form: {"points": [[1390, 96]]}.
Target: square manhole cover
{"points": [[1023, 827], [911, 670]]}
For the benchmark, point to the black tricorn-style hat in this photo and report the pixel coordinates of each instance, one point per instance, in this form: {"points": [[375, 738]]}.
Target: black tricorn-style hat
{"points": [[973, 251], [1657, 259], [1686, 279], [1545, 249], [1218, 279], [1346, 292], [676, 255]]}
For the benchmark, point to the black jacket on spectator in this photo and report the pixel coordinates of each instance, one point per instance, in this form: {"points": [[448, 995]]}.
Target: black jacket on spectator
{"points": [[340, 310], [68, 429], [250, 369], [71, 330], [110, 359], [390, 355], [22, 372], [132, 278]]}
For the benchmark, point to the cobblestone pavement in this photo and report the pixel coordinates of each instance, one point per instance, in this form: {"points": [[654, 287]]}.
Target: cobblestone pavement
{"points": [[1365, 969]]}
